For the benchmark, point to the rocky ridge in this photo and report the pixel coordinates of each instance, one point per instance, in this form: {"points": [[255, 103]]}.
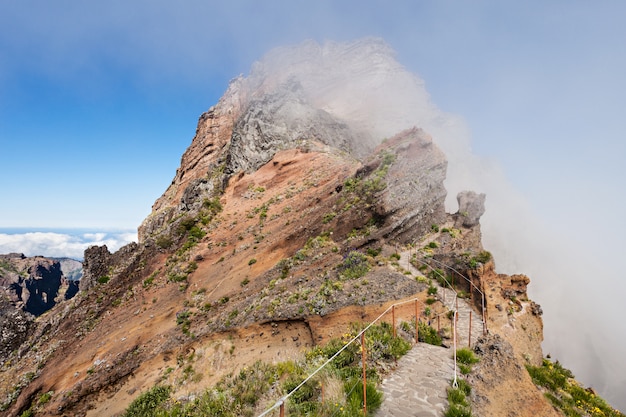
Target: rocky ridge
{"points": [[250, 254]]}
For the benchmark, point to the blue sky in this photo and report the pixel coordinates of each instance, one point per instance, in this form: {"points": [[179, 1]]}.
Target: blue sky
{"points": [[98, 101]]}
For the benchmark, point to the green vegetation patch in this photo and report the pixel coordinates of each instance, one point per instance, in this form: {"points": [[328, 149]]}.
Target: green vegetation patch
{"points": [[465, 358], [458, 402], [261, 384], [148, 402], [354, 265], [565, 393], [427, 334]]}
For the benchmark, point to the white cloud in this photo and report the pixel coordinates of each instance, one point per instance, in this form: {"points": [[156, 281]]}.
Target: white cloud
{"points": [[55, 244]]}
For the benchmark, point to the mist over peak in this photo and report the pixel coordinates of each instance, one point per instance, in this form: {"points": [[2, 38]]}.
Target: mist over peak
{"points": [[361, 83]]}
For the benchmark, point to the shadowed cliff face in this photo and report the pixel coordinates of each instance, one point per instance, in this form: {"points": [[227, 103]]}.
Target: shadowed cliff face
{"points": [[32, 283]]}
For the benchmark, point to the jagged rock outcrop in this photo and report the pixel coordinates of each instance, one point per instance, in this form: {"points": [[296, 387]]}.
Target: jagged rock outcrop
{"points": [[100, 265], [97, 260], [281, 120], [293, 94], [413, 198], [15, 328], [500, 384], [32, 283], [202, 164], [471, 208]]}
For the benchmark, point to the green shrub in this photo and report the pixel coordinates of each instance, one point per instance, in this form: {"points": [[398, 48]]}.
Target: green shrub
{"points": [[466, 356], [305, 393], [458, 404], [456, 396], [213, 205], [103, 279], [355, 265], [197, 233], [566, 394], [328, 217], [346, 358], [252, 261], [381, 344], [186, 224], [464, 386], [483, 257], [432, 290], [148, 402], [428, 335], [455, 410], [191, 266], [45, 398], [174, 277], [550, 375], [354, 401], [150, 280], [164, 242]]}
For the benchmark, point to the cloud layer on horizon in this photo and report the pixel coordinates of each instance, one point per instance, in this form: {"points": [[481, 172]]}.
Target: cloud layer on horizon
{"points": [[62, 244]]}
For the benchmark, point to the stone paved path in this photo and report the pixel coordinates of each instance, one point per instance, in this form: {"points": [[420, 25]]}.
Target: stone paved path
{"points": [[418, 386], [446, 294]]}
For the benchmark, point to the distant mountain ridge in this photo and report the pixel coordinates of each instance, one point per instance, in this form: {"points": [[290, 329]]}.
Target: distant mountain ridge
{"points": [[72, 269]]}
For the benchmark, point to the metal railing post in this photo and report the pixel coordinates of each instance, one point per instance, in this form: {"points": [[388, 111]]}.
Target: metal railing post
{"points": [[364, 374]]}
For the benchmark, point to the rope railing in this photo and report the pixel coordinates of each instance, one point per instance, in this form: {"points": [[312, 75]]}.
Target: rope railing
{"points": [[469, 281], [455, 383], [281, 401], [453, 307]]}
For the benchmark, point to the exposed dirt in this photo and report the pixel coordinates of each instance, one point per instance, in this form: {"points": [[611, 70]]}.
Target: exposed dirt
{"points": [[138, 339], [501, 387]]}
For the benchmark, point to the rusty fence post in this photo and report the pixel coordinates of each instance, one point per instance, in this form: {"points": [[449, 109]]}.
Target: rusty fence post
{"points": [[282, 409], [484, 315], [469, 338], [393, 319], [416, 323]]}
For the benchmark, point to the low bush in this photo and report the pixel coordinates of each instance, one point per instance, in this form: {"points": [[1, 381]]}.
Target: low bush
{"points": [[355, 265], [427, 334], [566, 394], [148, 402]]}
